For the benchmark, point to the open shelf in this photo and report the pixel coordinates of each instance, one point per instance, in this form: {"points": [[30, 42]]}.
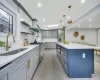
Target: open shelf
{"points": [[34, 29], [25, 33], [25, 23]]}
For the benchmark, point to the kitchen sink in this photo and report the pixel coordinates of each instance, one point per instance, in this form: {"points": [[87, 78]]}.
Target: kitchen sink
{"points": [[13, 52]]}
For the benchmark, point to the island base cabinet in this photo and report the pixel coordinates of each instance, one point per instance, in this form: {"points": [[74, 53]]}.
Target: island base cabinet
{"points": [[81, 63]]}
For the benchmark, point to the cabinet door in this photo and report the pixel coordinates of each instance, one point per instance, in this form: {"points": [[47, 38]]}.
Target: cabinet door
{"points": [[30, 68], [4, 78], [32, 64], [82, 60], [20, 73]]}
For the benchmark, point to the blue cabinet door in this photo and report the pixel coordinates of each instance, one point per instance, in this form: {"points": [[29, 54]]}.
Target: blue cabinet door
{"points": [[79, 65]]}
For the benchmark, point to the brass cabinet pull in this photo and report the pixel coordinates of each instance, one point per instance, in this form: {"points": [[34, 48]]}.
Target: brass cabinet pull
{"points": [[28, 64]]}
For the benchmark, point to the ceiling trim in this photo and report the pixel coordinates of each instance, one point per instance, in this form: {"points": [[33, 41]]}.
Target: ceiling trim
{"points": [[21, 6]]}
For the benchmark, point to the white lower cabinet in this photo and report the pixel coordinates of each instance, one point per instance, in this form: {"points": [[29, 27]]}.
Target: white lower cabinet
{"points": [[32, 64], [20, 73], [31, 69], [4, 78], [22, 68]]}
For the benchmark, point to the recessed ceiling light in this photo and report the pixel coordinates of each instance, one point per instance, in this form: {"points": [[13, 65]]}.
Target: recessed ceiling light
{"points": [[68, 17], [39, 5], [90, 20], [90, 25], [82, 1], [43, 19], [78, 25]]}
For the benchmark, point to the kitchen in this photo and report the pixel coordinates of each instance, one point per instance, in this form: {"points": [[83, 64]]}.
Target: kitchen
{"points": [[38, 41]]}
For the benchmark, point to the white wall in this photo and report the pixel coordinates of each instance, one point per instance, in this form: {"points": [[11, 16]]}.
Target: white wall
{"points": [[20, 15], [98, 37], [90, 35]]}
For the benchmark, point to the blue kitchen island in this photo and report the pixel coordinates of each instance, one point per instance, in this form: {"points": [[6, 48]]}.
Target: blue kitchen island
{"points": [[76, 59]]}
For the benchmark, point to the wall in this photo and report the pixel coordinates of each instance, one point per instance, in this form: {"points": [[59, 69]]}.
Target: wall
{"points": [[90, 35], [98, 37]]}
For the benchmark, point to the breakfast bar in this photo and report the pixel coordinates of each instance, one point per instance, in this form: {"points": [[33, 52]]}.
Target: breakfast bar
{"points": [[76, 59]]}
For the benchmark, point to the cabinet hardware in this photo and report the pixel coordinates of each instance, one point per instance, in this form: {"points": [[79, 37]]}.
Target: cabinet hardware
{"points": [[28, 64], [83, 55]]}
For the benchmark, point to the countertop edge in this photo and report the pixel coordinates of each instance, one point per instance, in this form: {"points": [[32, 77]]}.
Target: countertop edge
{"points": [[8, 59]]}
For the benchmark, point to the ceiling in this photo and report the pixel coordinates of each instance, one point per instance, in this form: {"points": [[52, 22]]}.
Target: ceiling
{"points": [[89, 20], [52, 11]]}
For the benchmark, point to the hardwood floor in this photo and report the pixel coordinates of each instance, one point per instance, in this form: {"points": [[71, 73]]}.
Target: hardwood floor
{"points": [[51, 69]]}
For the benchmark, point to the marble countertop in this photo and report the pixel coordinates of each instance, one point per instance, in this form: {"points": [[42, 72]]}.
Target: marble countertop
{"points": [[9, 58], [76, 46]]}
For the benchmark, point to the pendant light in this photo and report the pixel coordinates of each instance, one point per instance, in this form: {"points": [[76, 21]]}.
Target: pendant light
{"points": [[63, 22], [69, 21]]}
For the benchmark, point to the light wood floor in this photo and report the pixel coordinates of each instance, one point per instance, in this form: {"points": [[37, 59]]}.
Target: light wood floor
{"points": [[51, 69]]}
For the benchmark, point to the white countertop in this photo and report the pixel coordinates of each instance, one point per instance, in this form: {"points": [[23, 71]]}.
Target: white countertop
{"points": [[9, 58], [76, 46]]}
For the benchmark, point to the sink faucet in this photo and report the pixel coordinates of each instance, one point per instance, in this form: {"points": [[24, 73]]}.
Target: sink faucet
{"points": [[7, 43]]}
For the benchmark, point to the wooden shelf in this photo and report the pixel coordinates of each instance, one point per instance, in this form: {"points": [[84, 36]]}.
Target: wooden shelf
{"points": [[25, 23]]}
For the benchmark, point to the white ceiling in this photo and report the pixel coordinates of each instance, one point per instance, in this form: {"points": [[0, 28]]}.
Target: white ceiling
{"points": [[53, 10], [89, 20]]}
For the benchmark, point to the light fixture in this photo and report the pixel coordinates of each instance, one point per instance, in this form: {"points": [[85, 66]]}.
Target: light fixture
{"points": [[22, 19], [83, 1], [43, 19], [55, 25], [90, 20], [68, 17], [90, 25], [39, 5], [69, 21], [78, 25]]}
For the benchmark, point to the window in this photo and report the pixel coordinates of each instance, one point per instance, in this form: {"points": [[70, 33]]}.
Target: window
{"points": [[6, 22]]}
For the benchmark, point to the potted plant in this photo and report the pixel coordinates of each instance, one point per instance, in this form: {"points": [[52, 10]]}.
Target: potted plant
{"points": [[2, 46]]}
